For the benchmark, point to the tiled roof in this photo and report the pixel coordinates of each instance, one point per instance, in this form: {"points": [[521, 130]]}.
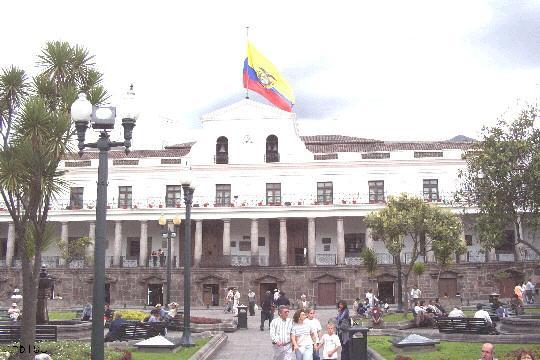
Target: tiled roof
{"points": [[187, 145], [325, 144], [135, 154]]}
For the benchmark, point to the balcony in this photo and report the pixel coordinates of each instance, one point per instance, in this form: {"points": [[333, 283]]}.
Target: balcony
{"points": [[234, 261], [353, 260], [384, 258], [325, 259]]}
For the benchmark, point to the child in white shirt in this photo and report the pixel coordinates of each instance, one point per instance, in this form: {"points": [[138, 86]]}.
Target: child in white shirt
{"points": [[330, 343]]}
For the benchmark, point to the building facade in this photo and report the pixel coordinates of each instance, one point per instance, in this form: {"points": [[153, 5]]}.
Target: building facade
{"points": [[272, 209]]}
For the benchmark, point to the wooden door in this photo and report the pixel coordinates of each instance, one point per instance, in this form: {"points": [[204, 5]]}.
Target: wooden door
{"points": [[447, 288], [296, 241], [263, 288], [506, 287], [326, 294], [273, 243], [386, 291]]}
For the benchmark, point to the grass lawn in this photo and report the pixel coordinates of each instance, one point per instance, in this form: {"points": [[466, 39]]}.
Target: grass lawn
{"points": [[61, 315], [446, 350], [183, 354]]}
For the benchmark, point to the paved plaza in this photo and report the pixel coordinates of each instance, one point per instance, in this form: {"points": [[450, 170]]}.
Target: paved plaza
{"points": [[252, 343]]}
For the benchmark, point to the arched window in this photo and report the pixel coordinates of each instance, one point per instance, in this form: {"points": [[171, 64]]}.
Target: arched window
{"points": [[222, 150], [272, 153]]}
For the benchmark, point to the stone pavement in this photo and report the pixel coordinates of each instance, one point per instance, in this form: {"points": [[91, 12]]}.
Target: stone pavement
{"points": [[252, 343]]}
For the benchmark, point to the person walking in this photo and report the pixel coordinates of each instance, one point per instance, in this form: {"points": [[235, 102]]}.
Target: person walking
{"points": [[343, 322], [236, 301], [267, 310], [282, 300], [280, 334], [529, 292], [251, 302], [302, 337], [303, 303], [316, 329]]}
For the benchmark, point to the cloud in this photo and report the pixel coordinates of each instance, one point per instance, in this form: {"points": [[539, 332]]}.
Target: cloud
{"points": [[513, 35]]}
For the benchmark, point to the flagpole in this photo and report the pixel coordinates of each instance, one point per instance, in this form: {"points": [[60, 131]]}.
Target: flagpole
{"points": [[247, 41]]}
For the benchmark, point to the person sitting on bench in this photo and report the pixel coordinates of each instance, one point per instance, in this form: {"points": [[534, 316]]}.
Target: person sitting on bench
{"points": [[114, 327], [421, 313], [376, 315], [483, 314]]}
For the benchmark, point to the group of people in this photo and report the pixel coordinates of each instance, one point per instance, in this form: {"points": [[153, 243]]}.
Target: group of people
{"points": [[524, 292], [425, 313], [232, 300], [302, 337], [158, 254], [370, 307]]}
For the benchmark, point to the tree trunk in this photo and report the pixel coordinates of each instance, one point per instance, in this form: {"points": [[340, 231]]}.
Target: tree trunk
{"points": [[28, 331], [399, 284]]}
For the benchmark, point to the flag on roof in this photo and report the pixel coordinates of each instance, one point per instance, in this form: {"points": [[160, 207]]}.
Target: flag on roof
{"points": [[261, 76]]}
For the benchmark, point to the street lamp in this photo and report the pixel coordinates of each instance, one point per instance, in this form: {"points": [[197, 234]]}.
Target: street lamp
{"points": [[189, 188], [168, 231], [101, 119]]}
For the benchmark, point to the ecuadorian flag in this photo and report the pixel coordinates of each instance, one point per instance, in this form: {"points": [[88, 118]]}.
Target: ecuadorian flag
{"points": [[261, 76]]}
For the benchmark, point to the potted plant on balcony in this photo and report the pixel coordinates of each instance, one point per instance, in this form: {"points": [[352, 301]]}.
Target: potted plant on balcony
{"points": [[260, 203], [343, 202], [205, 204]]}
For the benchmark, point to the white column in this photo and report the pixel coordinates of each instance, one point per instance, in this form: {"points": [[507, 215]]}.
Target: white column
{"points": [[117, 251], [64, 236], [226, 237], [10, 251], [369, 238], [311, 242], [254, 239], [91, 236], [143, 244], [283, 241], [340, 242], [197, 251]]}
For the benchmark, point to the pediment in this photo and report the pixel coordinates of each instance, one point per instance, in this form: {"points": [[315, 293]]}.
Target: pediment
{"points": [[152, 279], [108, 279], [268, 278], [212, 278], [449, 274], [386, 277], [246, 110], [326, 277]]}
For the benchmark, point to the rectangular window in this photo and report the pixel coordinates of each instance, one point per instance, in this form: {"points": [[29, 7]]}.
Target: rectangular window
{"points": [[245, 246], [326, 248], [262, 241], [124, 196], [468, 240], [300, 256], [376, 191], [354, 244], [173, 196], [223, 194], [233, 244], [325, 192], [76, 197], [134, 246], [326, 240], [431, 189], [273, 193]]}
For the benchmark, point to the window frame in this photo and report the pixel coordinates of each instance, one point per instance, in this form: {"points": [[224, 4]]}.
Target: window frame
{"points": [[325, 192], [376, 191], [125, 196], [430, 190], [273, 193], [221, 195], [173, 196], [76, 199]]}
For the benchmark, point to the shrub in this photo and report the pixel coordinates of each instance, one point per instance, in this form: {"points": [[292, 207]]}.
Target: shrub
{"points": [[132, 314], [204, 320]]}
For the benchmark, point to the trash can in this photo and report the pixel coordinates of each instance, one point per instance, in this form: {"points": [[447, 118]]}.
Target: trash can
{"points": [[358, 343], [242, 317]]}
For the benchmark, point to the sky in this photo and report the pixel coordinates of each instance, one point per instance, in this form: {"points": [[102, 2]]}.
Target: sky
{"points": [[389, 70]]}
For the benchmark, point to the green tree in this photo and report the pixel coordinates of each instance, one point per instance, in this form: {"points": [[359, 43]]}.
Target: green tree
{"points": [[36, 130], [75, 249], [502, 180], [408, 217], [369, 258], [418, 269]]}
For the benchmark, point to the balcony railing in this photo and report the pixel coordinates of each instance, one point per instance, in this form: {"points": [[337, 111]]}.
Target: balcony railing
{"points": [[325, 259], [384, 258], [234, 261], [247, 200], [475, 257], [505, 256], [353, 260]]}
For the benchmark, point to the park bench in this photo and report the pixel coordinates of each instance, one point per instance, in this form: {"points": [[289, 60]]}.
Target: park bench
{"points": [[12, 333], [136, 330], [463, 325], [177, 322], [4, 316]]}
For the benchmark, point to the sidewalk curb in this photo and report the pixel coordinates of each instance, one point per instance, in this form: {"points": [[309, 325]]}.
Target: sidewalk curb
{"points": [[211, 348], [373, 355]]}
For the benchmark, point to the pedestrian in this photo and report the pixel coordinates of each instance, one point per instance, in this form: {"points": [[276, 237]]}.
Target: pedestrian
{"points": [[302, 338], [251, 302], [235, 301], [280, 333], [416, 294], [229, 300], [267, 309], [330, 343], [283, 300], [529, 292], [316, 328], [343, 322], [161, 255], [154, 258], [488, 352], [371, 298], [276, 295], [87, 312], [303, 303]]}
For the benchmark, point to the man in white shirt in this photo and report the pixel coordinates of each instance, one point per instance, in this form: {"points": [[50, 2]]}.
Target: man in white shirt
{"points": [[456, 312], [371, 297], [280, 333], [316, 328], [529, 290], [483, 314]]}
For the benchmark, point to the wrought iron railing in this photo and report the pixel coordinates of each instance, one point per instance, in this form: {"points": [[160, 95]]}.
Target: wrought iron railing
{"points": [[384, 258], [325, 259], [353, 260]]}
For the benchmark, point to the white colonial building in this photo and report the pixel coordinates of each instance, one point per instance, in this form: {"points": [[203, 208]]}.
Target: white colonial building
{"points": [[272, 208]]}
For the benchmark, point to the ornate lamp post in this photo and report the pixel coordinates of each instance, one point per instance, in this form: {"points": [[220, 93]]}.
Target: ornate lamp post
{"points": [[168, 231], [189, 188], [101, 119]]}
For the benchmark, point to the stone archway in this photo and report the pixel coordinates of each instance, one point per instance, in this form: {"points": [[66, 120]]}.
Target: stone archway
{"points": [[386, 288], [153, 289]]}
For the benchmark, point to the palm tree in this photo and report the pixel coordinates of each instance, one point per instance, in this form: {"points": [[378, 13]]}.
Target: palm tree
{"points": [[37, 137]]}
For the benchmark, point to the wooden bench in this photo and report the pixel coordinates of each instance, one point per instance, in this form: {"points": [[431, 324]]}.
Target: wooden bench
{"points": [[12, 333], [463, 325], [137, 330]]}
